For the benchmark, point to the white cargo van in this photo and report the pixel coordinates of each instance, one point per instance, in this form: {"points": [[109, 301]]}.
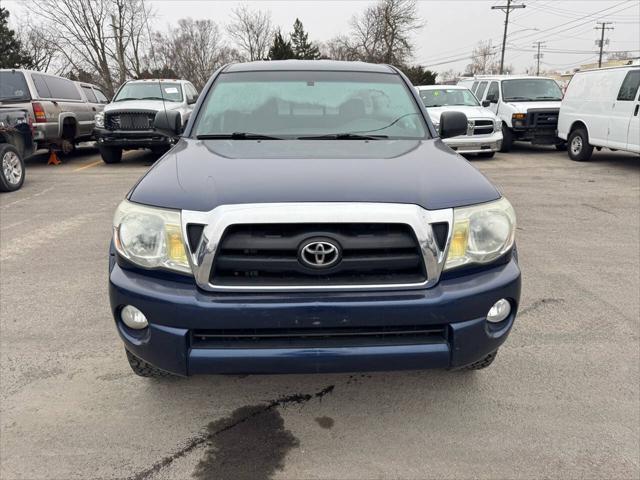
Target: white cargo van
{"points": [[600, 109]]}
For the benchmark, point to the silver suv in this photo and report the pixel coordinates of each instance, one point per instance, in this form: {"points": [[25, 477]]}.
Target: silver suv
{"points": [[62, 110], [127, 123]]}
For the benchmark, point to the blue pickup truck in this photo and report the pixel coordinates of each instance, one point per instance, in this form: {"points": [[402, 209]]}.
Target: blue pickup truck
{"points": [[310, 219]]}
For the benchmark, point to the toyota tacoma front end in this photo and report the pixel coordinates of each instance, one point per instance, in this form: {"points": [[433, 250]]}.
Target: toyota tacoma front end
{"points": [[311, 220]]}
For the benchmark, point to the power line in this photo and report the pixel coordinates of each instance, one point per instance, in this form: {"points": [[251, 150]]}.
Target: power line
{"points": [[506, 9], [538, 55], [603, 27]]}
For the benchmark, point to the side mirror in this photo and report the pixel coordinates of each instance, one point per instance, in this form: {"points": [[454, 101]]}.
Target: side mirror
{"points": [[453, 124], [486, 103], [192, 100], [168, 122]]}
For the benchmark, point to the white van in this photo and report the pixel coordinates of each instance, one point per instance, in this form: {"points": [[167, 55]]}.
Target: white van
{"points": [[600, 109], [527, 106]]}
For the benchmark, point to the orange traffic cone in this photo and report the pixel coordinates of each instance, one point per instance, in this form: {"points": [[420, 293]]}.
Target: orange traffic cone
{"points": [[53, 159]]}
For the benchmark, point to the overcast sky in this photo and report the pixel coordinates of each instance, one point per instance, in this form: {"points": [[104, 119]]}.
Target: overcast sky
{"points": [[452, 28]]}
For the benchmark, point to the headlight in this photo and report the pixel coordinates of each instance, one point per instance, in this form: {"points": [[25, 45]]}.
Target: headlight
{"points": [[481, 233], [150, 237], [497, 124], [99, 119]]}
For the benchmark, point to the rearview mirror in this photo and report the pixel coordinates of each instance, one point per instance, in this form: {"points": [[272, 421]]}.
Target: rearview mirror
{"points": [[452, 124], [168, 122], [486, 103]]}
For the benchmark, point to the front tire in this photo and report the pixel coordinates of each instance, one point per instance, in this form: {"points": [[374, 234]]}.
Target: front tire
{"points": [[507, 139], [11, 168], [111, 154], [579, 148], [144, 369]]}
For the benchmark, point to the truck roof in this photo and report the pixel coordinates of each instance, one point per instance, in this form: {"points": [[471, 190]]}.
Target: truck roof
{"points": [[308, 65]]}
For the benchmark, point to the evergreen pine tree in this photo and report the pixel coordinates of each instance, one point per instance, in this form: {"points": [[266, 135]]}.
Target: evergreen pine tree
{"points": [[281, 48], [11, 52], [302, 47]]}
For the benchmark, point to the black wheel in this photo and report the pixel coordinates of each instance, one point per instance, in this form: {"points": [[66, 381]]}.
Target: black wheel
{"points": [[110, 154], [561, 147], [159, 151], [144, 369], [579, 148], [507, 139], [11, 168], [486, 154], [482, 363]]}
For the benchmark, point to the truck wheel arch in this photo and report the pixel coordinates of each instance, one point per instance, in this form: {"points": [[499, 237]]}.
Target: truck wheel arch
{"points": [[576, 125], [67, 126]]}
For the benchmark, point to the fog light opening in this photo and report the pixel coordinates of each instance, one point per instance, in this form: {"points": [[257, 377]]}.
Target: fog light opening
{"points": [[133, 318], [500, 311]]}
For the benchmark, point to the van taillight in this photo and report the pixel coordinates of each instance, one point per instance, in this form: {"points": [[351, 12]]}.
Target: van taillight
{"points": [[38, 112]]}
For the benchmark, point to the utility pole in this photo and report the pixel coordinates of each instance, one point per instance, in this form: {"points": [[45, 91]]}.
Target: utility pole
{"points": [[538, 56], [506, 9], [602, 26]]}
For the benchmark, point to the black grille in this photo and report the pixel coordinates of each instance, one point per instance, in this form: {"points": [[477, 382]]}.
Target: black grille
{"points": [[267, 255], [543, 118], [483, 127], [130, 120], [318, 337]]}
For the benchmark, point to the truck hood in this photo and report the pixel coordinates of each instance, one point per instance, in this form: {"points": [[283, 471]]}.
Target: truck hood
{"points": [[156, 105], [469, 111], [522, 107], [203, 174]]}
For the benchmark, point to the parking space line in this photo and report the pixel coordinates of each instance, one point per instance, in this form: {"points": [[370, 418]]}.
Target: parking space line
{"points": [[93, 164]]}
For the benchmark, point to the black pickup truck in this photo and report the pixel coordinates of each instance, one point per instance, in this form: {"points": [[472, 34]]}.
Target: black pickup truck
{"points": [[16, 143]]}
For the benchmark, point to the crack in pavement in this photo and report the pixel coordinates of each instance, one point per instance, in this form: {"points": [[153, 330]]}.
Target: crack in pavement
{"points": [[201, 439], [539, 303]]}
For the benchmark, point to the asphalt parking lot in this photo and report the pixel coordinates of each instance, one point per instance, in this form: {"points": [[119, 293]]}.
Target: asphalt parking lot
{"points": [[562, 399]]}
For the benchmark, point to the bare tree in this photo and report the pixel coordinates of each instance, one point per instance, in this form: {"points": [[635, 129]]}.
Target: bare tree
{"points": [[42, 49], [382, 33], [251, 31], [193, 50], [483, 59], [98, 36], [340, 48]]}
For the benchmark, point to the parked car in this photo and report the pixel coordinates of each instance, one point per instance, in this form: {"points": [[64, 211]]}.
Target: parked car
{"points": [[310, 219], [16, 143], [527, 106], [600, 109], [62, 114], [127, 122], [484, 129]]}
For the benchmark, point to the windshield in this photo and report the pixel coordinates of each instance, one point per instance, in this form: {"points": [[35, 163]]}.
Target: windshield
{"points": [[530, 89], [171, 92], [13, 87], [448, 96], [306, 104]]}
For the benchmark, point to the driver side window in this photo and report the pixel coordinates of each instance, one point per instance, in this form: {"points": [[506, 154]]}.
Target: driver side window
{"points": [[493, 94]]}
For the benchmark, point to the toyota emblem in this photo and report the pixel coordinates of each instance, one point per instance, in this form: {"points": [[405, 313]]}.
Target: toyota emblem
{"points": [[319, 253]]}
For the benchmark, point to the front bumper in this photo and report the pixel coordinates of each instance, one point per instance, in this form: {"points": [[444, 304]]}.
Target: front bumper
{"points": [[175, 308], [131, 139], [475, 143]]}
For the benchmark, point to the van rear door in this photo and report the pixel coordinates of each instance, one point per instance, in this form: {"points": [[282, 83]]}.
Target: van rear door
{"points": [[633, 138], [619, 132]]}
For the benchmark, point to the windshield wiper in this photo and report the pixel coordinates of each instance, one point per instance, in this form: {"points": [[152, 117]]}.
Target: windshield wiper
{"points": [[548, 98], [157, 98], [522, 99], [236, 136], [343, 136], [126, 98], [13, 99]]}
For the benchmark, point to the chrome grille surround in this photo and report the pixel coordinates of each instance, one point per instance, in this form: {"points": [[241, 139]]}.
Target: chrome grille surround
{"points": [[218, 219]]}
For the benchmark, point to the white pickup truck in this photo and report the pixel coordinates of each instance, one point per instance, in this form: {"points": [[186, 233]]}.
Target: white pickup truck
{"points": [[527, 106]]}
